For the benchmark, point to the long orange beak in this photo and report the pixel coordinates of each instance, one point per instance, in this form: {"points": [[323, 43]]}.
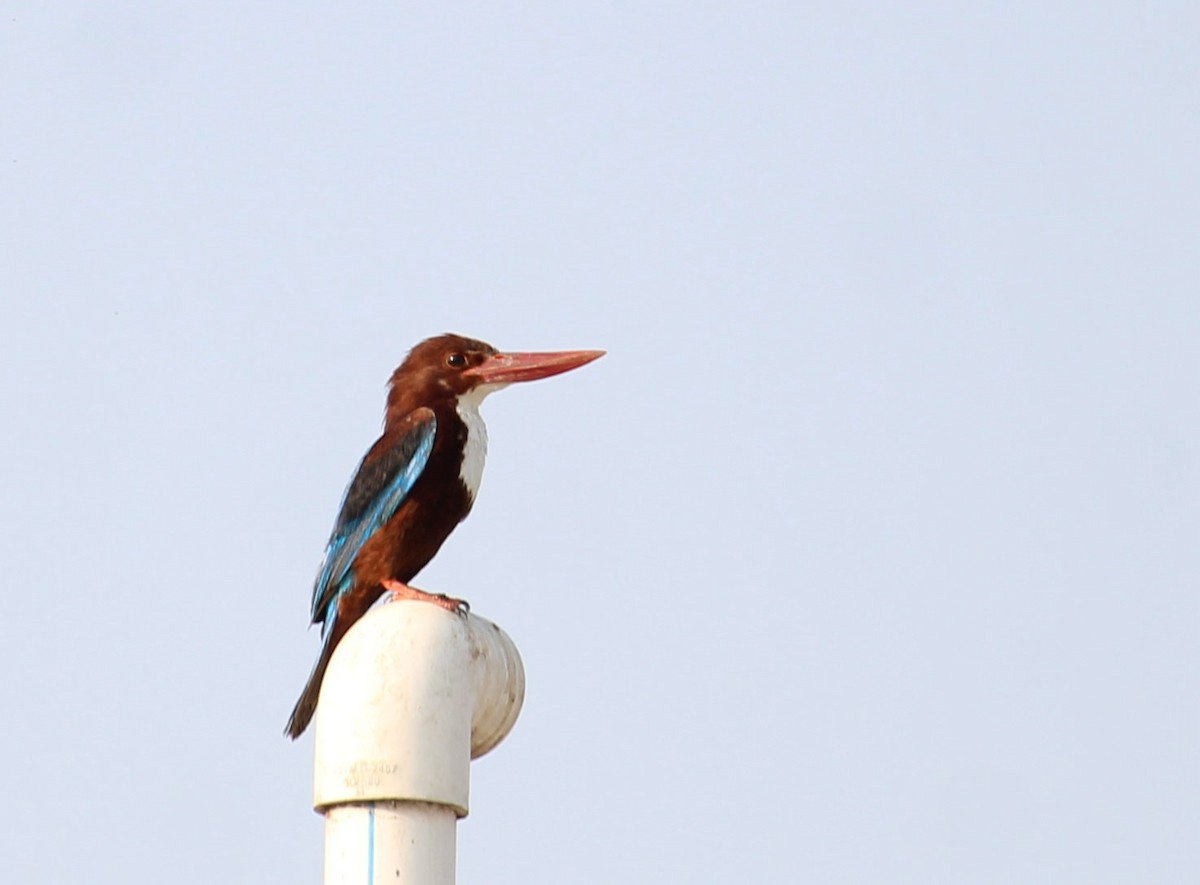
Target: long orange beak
{"points": [[505, 368]]}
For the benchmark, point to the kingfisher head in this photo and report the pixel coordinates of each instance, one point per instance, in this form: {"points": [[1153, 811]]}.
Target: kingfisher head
{"points": [[453, 366]]}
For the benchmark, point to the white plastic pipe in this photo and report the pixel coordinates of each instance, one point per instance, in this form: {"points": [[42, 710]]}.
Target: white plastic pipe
{"points": [[412, 694]]}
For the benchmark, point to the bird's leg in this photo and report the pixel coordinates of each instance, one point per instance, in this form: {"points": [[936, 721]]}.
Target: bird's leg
{"points": [[400, 590]]}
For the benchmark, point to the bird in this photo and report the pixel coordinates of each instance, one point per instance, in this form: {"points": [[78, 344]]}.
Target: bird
{"points": [[414, 485]]}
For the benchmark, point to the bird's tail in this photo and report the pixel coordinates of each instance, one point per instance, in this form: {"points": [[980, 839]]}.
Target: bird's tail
{"points": [[302, 713], [340, 616]]}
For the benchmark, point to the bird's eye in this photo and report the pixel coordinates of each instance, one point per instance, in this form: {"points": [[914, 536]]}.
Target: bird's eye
{"points": [[457, 360]]}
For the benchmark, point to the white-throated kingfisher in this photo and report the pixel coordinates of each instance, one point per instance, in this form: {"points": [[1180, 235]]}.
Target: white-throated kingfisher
{"points": [[415, 484]]}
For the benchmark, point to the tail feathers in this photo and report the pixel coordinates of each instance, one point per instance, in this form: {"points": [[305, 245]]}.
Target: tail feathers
{"points": [[302, 713], [342, 612]]}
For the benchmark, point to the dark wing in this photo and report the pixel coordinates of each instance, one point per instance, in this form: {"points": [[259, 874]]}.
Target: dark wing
{"points": [[383, 480]]}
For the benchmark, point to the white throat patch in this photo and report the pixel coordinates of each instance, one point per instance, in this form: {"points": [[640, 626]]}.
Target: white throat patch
{"points": [[476, 451]]}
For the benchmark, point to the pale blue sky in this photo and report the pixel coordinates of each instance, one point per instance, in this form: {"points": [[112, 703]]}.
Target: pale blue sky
{"points": [[867, 555]]}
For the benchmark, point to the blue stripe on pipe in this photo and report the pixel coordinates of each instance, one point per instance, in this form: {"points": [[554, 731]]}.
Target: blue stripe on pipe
{"points": [[370, 843]]}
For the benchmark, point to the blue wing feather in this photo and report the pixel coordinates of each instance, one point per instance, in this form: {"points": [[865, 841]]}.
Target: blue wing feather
{"points": [[379, 486]]}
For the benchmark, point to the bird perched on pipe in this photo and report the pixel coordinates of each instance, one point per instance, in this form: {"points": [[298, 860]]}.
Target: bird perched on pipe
{"points": [[414, 485]]}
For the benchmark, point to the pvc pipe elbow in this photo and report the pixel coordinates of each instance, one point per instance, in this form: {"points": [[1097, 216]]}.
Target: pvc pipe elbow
{"points": [[412, 694]]}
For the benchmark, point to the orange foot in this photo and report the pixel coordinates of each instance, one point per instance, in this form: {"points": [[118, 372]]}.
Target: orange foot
{"points": [[400, 590]]}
